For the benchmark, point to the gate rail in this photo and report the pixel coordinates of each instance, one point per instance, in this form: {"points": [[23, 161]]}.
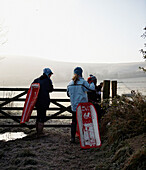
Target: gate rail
{"points": [[4, 108]]}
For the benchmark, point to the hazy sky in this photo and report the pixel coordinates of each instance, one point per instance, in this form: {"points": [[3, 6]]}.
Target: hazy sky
{"points": [[73, 30]]}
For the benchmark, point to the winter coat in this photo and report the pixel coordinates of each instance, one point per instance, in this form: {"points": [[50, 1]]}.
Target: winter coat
{"points": [[78, 92], [93, 95], [46, 87]]}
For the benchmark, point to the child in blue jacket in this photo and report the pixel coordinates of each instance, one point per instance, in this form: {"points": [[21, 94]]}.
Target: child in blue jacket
{"points": [[77, 91]]}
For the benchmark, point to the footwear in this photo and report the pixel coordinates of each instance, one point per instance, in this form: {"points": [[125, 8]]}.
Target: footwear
{"points": [[72, 140], [41, 135], [73, 133], [39, 129]]}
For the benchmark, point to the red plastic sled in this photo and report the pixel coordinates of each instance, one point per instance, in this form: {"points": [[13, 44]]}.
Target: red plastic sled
{"points": [[87, 123], [30, 102]]}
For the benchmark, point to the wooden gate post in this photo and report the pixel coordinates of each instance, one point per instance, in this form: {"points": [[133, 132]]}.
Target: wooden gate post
{"points": [[106, 89], [114, 88]]}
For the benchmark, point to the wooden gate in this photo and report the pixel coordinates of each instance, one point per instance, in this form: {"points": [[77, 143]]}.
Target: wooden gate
{"points": [[7, 102]]}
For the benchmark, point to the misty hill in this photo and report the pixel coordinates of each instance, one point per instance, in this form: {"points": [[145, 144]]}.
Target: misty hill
{"points": [[21, 71]]}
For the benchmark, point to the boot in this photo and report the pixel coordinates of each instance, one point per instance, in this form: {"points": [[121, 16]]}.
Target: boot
{"points": [[73, 132], [39, 129]]}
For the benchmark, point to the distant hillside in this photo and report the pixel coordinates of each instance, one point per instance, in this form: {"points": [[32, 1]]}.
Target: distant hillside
{"points": [[1, 57], [20, 71]]}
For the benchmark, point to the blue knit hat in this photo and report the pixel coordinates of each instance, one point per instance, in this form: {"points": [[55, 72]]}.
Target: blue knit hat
{"points": [[78, 71], [47, 71]]}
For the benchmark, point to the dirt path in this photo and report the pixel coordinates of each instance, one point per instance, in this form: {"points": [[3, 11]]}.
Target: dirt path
{"points": [[54, 152], [51, 152]]}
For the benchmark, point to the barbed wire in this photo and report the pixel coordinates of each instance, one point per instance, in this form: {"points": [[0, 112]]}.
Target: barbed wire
{"points": [[126, 86]]}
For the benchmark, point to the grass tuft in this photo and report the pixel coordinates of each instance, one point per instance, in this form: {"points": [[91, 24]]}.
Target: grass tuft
{"points": [[137, 160]]}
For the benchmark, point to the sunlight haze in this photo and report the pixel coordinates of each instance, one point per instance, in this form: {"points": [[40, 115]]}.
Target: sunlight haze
{"points": [[92, 31]]}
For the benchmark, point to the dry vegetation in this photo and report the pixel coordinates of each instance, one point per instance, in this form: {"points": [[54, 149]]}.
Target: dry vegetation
{"points": [[123, 128]]}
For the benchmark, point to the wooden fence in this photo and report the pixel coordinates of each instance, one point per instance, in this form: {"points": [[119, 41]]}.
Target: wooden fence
{"points": [[6, 102], [5, 105]]}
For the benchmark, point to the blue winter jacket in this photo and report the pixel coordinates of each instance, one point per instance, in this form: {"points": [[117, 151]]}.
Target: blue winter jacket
{"points": [[78, 92]]}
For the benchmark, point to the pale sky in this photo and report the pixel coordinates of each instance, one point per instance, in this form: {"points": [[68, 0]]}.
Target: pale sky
{"points": [[95, 31]]}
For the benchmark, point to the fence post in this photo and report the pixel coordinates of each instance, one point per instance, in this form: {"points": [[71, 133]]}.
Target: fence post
{"points": [[114, 89], [106, 89]]}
